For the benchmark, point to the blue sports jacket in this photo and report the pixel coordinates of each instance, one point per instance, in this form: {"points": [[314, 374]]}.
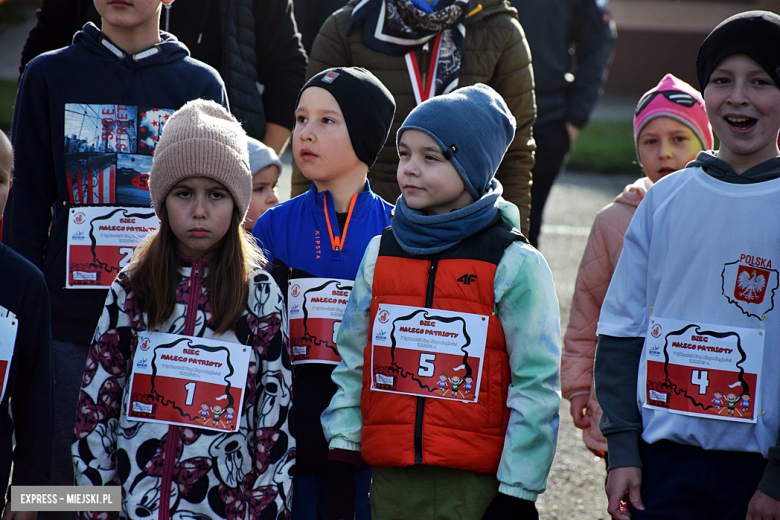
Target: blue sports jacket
{"points": [[296, 240]]}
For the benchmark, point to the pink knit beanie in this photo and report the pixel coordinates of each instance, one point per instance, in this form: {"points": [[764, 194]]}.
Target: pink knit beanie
{"points": [[674, 98], [202, 139]]}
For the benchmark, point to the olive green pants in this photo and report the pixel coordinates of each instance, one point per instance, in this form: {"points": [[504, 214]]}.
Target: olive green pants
{"points": [[430, 493]]}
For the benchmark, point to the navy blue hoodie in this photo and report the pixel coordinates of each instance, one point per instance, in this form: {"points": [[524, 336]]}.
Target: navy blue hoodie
{"points": [[30, 381], [85, 108]]}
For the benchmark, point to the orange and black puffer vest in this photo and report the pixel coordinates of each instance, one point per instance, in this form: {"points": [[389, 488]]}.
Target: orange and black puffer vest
{"points": [[402, 430]]}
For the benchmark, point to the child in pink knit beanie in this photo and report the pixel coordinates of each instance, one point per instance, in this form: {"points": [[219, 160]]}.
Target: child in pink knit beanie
{"points": [[670, 128]]}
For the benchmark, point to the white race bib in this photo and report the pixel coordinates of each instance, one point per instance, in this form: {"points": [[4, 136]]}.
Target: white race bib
{"points": [[428, 352], [188, 381], [101, 241], [9, 326], [703, 370], [315, 307]]}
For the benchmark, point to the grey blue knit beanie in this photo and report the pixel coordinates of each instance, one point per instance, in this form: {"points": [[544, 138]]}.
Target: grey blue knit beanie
{"points": [[202, 139], [473, 126], [367, 105]]}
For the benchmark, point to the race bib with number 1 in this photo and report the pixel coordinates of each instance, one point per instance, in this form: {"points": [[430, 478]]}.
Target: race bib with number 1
{"points": [[188, 381]]}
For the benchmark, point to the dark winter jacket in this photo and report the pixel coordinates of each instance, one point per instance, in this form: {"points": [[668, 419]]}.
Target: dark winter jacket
{"points": [[552, 27], [24, 299], [67, 93], [496, 54]]}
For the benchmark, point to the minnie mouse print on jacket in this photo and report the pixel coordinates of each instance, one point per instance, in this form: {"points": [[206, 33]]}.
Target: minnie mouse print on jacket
{"points": [[202, 473]]}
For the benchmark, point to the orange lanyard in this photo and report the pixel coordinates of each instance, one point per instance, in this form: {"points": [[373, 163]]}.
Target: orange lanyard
{"points": [[337, 243]]}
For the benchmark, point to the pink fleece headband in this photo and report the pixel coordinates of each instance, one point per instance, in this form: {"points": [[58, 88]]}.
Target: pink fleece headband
{"points": [[674, 98]]}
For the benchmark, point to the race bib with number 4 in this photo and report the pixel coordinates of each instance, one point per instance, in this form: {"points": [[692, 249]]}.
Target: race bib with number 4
{"points": [[703, 370], [188, 381], [428, 352], [315, 307]]}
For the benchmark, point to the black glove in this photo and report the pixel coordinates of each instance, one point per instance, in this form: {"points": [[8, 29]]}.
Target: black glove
{"points": [[505, 506], [341, 490]]}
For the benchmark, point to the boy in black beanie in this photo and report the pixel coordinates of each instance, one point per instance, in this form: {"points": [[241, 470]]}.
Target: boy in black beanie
{"points": [[690, 318], [342, 119]]}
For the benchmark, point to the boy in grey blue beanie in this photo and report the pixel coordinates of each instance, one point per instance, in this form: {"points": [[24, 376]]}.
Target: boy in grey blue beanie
{"points": [[450, 343]]}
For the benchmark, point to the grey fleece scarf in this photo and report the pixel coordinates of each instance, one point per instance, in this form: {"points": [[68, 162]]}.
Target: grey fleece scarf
{"points": [[721, 170], [421, 234]]}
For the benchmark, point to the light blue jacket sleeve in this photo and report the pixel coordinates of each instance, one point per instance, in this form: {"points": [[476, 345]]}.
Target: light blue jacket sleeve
{"points": [[341, 420], [527, 307]]}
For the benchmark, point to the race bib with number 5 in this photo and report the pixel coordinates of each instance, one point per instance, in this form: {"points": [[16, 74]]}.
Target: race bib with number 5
{"points": [[428, 352]]}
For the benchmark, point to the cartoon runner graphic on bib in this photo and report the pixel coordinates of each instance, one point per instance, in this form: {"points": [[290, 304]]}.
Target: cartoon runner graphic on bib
{"points": [[745, 402], [443, 383], [718, 400], [455, 381], [731, 401], [217, 412], [204, 412], [468, 384]]}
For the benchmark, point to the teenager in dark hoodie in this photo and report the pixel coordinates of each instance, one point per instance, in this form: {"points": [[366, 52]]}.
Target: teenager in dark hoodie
{"points": [[85, 127]]}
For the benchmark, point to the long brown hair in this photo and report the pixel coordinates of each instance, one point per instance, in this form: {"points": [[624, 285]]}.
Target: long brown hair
{"points": [[154, 274]]}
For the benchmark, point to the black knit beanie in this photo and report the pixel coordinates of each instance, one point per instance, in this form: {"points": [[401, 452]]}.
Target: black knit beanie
{"points": [[367, 105], [753, 33]]}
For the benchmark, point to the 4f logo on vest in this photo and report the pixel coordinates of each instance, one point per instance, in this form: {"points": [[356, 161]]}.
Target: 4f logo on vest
{"points": [[750, 284], [466, 279]]}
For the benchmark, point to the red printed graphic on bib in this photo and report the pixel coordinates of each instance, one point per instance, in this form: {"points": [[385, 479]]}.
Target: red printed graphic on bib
{"points": [[428, 352], [8, 328], [187, 381], [703, 370], [101, 241], [315, 309], [750, 284]]}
